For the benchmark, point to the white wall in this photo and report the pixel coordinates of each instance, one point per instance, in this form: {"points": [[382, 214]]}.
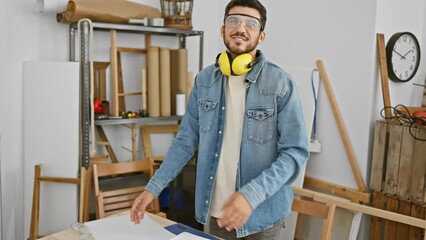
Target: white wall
{"points": [[341, 34]]}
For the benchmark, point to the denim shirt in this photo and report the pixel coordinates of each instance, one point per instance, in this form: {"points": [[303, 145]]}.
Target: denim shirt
{"points": [[274, 146]]}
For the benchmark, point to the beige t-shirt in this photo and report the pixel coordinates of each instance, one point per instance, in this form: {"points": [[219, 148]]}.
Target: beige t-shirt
{"points": [[230, 154]]}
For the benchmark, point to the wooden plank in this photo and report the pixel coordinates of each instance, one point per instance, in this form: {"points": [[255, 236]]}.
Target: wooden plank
{"points": [[346, 204], [83, 193], [419, 165], [376, 222], [353, 194], [328, 224], [416, 233], [402, 229], [129, 94], [405, 164], [131, 50], [311, 208], [390, 226], [394, 151], [114, 73], [60, 180], [341, 126], [35, 211], [384, 74], [108, 147], [87, 197], [120, 84], [378, 164]]}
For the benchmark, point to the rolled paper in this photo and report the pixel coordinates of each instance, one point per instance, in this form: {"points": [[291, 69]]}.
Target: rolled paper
{"points": [[182, 68], [153, 74], [174, 78], [165, 87]]}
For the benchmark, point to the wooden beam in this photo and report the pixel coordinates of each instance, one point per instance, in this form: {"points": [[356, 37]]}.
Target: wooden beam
{"points": [[384, 74], [344, 203], [342, 129], [353, 194], [60, 180], [104, 138], [114, 73], [131, 50]]}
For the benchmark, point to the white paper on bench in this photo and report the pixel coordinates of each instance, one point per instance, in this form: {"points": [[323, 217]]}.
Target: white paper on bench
{"points": [[120, 227]]}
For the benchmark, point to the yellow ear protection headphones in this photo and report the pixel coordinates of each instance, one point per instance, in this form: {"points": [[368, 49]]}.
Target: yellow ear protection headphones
{"points": [[240, 65]]}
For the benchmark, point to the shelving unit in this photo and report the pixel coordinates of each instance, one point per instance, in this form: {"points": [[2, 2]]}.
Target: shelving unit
{"points": [[84, 28]]}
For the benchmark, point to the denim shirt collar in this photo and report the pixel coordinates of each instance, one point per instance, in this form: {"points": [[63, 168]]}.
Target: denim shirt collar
{"points": [[253, 74]]}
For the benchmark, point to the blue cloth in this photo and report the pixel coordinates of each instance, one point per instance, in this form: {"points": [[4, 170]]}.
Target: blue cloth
{"points": [[180, 227], [274, 146]]}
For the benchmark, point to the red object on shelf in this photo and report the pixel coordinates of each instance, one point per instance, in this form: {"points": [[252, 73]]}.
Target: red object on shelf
{"points": [[421, 117], [97, 105]]}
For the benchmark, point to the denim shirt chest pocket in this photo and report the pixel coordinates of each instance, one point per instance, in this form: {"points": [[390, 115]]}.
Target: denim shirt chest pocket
{"points": [[260, 124], [206, 111]]}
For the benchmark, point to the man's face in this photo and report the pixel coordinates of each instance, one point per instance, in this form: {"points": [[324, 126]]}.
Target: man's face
{"points": [[241, 31]]}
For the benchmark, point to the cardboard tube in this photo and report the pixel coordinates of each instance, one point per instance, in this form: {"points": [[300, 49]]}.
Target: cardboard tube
{"points": [[174, 78], [165, 87], [182, 55], [144, 90], [153, 82]]}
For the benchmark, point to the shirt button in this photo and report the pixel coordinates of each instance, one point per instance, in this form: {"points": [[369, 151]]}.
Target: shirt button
{"points": [[211, 178], [220, 132], [207, 202], [216, 155], [223, 108]]}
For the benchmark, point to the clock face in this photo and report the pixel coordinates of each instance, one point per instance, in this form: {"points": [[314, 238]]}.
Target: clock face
{"points": [[403, 53]]}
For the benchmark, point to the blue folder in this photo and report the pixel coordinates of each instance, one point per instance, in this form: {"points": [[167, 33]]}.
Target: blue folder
{"points": [[178, 228]]}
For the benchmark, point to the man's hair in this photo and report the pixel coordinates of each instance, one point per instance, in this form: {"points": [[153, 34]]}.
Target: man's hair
{"points": [[251, 4]]}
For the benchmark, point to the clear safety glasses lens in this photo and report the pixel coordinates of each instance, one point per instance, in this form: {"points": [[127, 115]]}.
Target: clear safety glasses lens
{"points": [[249, 22]]}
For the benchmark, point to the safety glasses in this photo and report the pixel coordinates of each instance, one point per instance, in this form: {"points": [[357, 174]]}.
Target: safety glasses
{"points": [[250, 22]]}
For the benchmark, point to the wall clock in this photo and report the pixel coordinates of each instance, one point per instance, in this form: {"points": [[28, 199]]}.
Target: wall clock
{"points": [[403, 56]]}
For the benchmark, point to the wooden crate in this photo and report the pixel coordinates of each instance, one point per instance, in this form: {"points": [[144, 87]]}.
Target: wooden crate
{"points": [[398, 165], [390, 230]]}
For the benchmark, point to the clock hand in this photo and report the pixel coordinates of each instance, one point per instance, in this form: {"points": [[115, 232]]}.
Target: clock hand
{"points": [[406, 53], [402, 57]]}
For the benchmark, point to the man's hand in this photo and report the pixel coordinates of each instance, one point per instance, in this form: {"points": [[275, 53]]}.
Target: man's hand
{"points": [[139, 205], [235, 212]]}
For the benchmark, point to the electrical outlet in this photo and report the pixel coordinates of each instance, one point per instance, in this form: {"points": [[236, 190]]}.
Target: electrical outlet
{"points": [[315, 146]]}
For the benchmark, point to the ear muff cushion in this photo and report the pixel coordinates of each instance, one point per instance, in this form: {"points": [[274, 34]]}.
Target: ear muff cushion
{"points": [[224, 64], [241, 64]]}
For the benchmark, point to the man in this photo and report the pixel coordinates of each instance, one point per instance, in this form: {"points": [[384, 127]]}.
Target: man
{"points": [[245, 119]]}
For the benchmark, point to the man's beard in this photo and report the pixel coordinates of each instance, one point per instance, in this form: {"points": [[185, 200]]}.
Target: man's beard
{"points": [[236, 50]]}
